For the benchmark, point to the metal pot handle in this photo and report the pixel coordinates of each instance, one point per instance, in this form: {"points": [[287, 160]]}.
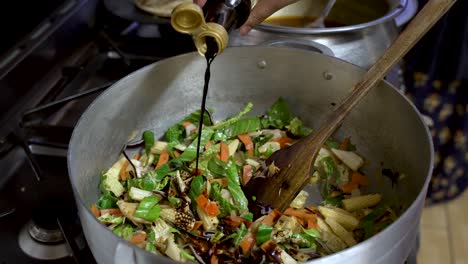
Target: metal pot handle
{"points": [[299, 44], [124, 254]]}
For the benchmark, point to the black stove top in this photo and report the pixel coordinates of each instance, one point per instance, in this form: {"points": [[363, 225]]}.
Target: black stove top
{"points": [[48, 79]]}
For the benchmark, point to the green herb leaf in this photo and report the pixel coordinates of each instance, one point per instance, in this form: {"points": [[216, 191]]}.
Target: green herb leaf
{"points": [[248, 216], [217, 167], [148, 137], [329, 168], [242, 126], [148, 209], [124, 231], [263, 234], [174, 134], [331, 143]]}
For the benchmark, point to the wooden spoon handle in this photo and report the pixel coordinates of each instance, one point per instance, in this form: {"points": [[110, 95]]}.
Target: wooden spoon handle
{"points": [[423, 21]]}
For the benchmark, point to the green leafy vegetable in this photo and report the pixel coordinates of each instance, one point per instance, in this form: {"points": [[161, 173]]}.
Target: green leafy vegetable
{"points": [[174, 134], [297, 128], [312, 232], [217, 167], [186, 255], [335, 201], [191, 152], [217, 236], [233, 120], [111, 219], [148, 137], [239, 235], [153, 180], [263, 234], [248, 216], [175, 202], [303, 240], [224, 205], [331, 143], [234, 186], [196, 187], [107, 201], [329, 168], [124, 231], [242, 126], [278, 115], [150, 246], [148, 209]]}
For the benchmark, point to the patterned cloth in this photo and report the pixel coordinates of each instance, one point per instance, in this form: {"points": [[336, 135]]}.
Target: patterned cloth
{"points": [[436, 79]]}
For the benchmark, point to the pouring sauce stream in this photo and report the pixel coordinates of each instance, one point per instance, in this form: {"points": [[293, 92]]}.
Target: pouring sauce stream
{"points": [[210, 54]]}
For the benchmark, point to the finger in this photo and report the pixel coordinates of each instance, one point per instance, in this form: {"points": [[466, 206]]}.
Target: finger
{"points": [[261, 11], [201, 3]]}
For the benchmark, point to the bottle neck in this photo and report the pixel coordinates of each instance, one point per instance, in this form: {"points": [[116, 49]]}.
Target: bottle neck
{"points": [[230, 14]]}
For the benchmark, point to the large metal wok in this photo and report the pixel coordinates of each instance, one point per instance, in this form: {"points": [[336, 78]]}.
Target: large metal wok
{"points": [[386, 127]]}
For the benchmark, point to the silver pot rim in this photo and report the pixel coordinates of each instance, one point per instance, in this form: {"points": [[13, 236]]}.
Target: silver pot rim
{"points": [[387, 17]]}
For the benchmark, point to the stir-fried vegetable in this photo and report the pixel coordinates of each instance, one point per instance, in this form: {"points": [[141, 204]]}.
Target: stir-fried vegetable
{"points": [[157, 200]]}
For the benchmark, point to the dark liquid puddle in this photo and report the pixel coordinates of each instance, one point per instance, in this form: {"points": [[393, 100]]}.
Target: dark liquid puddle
{"points": [[210, 54]]}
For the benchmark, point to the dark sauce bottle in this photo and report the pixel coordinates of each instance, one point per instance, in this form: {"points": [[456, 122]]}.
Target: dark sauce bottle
{"points": [[230, 14]]}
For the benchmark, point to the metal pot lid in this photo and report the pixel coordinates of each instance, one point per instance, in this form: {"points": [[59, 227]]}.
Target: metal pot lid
{"points": [[391, 15]]}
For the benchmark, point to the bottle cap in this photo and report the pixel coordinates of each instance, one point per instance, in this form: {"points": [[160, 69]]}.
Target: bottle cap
{"points": [[188, 18]]}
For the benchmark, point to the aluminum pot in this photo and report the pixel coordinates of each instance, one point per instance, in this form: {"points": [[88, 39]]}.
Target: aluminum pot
{"points": [[385, 126], [370, 28]]}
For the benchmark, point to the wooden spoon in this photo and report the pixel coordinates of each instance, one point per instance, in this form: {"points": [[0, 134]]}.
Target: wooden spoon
{"points": [[295, 162]]}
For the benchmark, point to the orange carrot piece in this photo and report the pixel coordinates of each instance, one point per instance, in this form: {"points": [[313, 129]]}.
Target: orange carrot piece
{"points": [[222, 181], [360, 179], [176, 153], [344, 145], [233, 221], [214, 259], [224, 152], [247, 244], [113, 211], [163, 158], [123, 173], [212, 209], [137, 156], [246, 174], [271, 218], [138, 238], [349, 187], [247, 141], [197, 225], [311, 223], [187, 123], [202, 201], [95, 210], [284, 142]]}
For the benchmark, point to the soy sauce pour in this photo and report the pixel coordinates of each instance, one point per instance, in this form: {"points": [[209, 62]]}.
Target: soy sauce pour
{"points": [[210, 54]]}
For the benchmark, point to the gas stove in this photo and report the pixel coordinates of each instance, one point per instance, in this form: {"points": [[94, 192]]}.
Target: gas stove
{"points": [[50, 71]]}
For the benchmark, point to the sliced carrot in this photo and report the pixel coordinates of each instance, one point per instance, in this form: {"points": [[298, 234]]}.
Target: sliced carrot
{"points": [[344, 145], [360, 179], [247, 244], [212, 209], [224, 152], [202, 201], [163, 158], [137, 156], [271, 218], [123, 171], [138, 238], [187, 123], [208, 144], [349, 187], [95, 210], [176, 153], [301, 215], [234, 221], [311, 223], [197, 225], [312, 208], [222, 181], [284, 141], [214, 259], [246, 174], [247, 141], [113, 211]]}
